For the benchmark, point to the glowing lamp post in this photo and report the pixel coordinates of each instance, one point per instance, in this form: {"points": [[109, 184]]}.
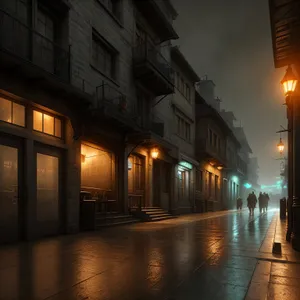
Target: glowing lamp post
{"points": [[289, 82], [154, 153], [280, 146]]}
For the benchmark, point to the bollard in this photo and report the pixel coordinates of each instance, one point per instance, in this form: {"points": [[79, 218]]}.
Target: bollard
{"points": [[282, 208]]}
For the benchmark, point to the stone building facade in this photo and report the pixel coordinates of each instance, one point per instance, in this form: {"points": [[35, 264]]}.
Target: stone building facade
{"points": [[78, 82], [96, 102]]}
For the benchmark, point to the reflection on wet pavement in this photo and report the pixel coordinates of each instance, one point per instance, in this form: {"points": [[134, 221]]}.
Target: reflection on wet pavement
{"points": [[193, 257]]}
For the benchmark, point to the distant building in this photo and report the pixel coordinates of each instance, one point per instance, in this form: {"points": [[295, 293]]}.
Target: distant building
{"points": [[218, 182], [178, 114]]}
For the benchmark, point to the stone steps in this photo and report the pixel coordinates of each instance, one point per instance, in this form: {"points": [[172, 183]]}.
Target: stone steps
{"points": [[153, 214], [113, 219]]}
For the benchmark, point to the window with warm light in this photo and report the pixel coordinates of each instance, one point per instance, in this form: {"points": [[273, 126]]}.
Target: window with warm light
{"points": [[12, 112], [97, 168], [47, 124]]}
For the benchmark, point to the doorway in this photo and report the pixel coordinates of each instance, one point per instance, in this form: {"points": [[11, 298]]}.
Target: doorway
{"points": [[49, 207], [181, 185], [161, 184], [12, 206], [136, 181]]}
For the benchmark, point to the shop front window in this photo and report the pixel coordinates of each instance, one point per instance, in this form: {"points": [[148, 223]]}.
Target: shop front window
{"points": [[96, 169]]}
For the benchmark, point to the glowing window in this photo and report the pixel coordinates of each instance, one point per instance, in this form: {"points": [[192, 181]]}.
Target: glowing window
{"points": [[47, 124], [57, 132], [12, 112], [37, 120], [18, 115]]}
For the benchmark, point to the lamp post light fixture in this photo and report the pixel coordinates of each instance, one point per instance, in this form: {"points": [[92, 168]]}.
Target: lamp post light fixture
{"points": [[154, 153], [289, 82], [280, 146]]}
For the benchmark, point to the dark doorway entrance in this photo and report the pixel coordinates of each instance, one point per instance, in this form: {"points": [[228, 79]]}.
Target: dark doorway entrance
{"points": [[12, 204], [50, 209], [136, 181]]}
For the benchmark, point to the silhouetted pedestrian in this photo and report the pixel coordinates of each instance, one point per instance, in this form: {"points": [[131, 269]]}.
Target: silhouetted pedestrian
{"points": [[239, 203], [252, 200], [267, 198], [261, 202]]}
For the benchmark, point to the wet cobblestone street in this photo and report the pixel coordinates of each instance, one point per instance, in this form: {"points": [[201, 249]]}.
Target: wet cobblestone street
{"points": [[209, 256]]}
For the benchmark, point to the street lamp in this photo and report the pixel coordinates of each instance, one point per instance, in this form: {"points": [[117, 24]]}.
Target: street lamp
{"points": [[154, 153], [280, 146], [289, 82]]}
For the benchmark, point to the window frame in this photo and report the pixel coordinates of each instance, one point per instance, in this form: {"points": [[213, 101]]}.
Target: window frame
{"points": [[50, 15], [54, 118], [118, 17], [188, 93], [12, 101], [183, 128], [109, 49]]}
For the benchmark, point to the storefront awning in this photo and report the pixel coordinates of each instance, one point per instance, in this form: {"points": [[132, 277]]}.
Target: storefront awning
{"points": [[188, 159], [149, 139]]}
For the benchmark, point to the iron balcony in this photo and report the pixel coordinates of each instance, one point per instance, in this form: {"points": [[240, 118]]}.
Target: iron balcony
{"points": [[152, 69]]}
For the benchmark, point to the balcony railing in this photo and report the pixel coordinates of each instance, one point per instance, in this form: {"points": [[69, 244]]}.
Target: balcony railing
{"points": [[146, 53], [159, 17], [117, 103], [203, 145], [26, 43], [107, 94]]}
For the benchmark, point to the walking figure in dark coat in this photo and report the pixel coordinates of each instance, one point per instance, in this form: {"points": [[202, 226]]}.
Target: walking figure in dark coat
{"points": [[252, 200], [266, 200], [261, 202], [239, 203]]}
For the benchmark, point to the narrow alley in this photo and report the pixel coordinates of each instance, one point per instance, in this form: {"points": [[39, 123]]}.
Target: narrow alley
{"points": [[200, 256]]}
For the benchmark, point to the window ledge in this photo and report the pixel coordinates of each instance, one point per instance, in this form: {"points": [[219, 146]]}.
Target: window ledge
{"points": [[112, 15], [104, 75], [185, 97], [187, 141]]}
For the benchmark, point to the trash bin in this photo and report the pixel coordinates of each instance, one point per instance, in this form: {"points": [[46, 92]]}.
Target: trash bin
{"points": [[282, 208], [87, 211]]}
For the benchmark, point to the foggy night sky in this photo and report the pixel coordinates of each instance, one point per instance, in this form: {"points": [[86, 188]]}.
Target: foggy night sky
{"points": [[231, 43]]}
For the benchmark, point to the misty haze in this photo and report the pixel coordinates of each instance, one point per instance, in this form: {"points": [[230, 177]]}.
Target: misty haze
{"points": [[149, 149]]}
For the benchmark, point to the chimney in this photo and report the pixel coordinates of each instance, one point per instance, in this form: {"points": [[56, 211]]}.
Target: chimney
{"points": [[218, 104], [206, 88]]}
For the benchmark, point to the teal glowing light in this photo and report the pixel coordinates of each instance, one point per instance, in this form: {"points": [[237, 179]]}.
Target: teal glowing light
{"points": [[247, 185], [235, 179], [285, 187], [186, 165]]}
